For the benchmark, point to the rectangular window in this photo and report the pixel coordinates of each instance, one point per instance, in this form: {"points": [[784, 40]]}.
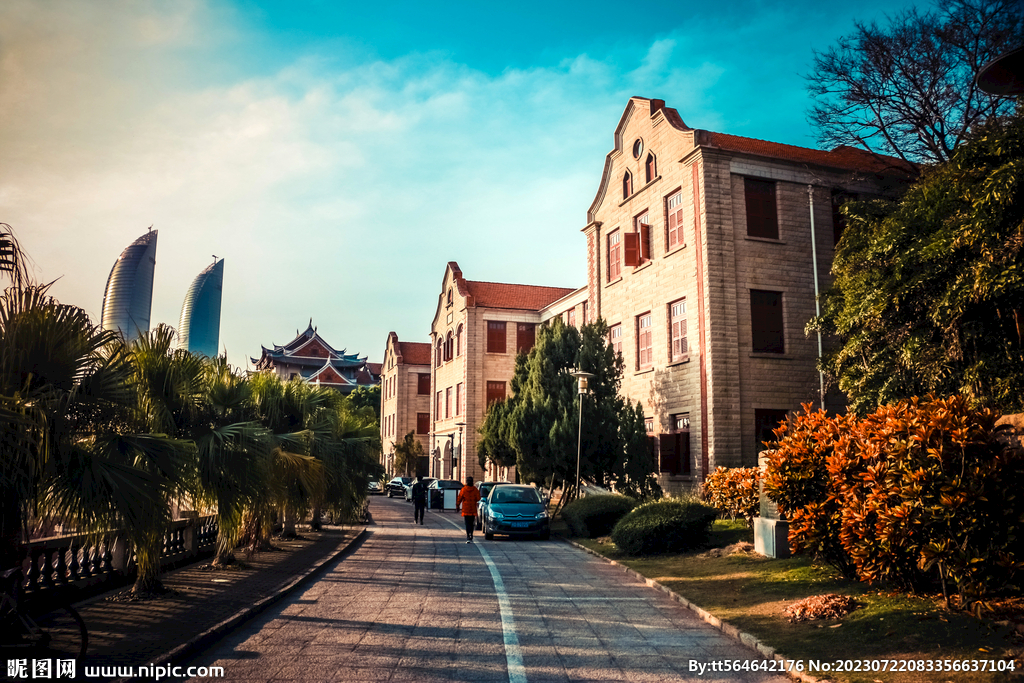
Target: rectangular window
{"points": [[584, 312], [571, 320], [458, 398], [437, 408], [677, 320], [766, 421], [644, 342], [762, 219], [526, 336], [495, 392], [614, 264], [766, 322], [675, 446], [422, 423], [448, 402], [674, 221], [423, 383], [615, 338], [642, 227], [495, 337]]}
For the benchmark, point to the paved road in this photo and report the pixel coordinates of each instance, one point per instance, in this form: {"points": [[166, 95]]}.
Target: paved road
{"points": [[417, 603]]}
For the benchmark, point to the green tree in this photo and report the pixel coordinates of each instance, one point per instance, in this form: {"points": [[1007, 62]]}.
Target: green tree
{"points": [[928, 295], [367, 397], [538, 428], [407, 454]]}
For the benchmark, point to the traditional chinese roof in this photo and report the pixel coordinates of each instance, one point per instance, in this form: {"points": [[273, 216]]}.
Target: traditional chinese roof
{"points": [[842, 157], [523, 297], [317, 361]]}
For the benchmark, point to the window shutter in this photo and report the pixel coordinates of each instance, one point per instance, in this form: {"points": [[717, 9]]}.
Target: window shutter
{"points": [[631, 248], [669, 457], [645, 242], [762, 219]]}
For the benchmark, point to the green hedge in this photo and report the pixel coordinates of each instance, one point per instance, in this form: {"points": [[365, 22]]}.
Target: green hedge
{"points": [[595, 516], [664, 526]]}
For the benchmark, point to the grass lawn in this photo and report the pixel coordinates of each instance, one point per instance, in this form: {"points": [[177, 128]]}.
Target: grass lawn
{"points": [[751, 591]]}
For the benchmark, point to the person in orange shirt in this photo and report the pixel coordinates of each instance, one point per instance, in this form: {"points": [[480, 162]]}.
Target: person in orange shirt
{"points": [[467, 499]]}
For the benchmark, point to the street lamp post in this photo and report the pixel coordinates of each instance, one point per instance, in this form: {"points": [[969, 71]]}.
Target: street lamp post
{"points": [[583, 386]]}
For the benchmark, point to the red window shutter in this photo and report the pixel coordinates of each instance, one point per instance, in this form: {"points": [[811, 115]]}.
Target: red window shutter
{"points": [[669, 456], [423, 384], [495, 392], [495, 337], [526, 336], [631, 249], [422, 423]]}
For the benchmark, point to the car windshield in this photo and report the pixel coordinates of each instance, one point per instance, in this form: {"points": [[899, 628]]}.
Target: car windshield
{"points": [[448, 484], [485, 489], [507, 494]]}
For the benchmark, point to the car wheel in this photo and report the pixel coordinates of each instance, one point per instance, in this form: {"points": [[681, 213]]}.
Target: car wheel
{"points": [[479, 525], [488, 534]]}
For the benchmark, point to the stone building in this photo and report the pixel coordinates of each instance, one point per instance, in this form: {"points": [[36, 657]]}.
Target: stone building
{"points": [[701, 254], [478, 328], [405, 396]]}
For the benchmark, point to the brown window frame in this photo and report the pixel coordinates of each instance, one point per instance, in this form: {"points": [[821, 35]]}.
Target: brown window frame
{"points": [[447, 403], [614, 255], [678, 350], [422, 423], [615, 340], [526, 337], [767, 321], [674, 220], [492, 392], [423, 384], [643, 337], [651, 167], [460, 398], [627, 185], [497, 336], [761, 201]]}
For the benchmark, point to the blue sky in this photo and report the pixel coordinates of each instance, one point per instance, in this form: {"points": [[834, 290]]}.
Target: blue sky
{"points": [[338, 155]]}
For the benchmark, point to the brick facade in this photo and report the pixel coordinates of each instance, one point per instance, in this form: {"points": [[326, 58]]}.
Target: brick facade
{"points": [[401, 400], [716, 268]]}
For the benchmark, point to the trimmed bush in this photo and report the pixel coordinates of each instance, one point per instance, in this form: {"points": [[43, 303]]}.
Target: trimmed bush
{"points": [[733, 492], [664, 526], [595, 516]]}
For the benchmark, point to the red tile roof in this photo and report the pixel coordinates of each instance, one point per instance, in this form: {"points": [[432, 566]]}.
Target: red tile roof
{"points": [[847, 158], [523, 297], [415, 353]]}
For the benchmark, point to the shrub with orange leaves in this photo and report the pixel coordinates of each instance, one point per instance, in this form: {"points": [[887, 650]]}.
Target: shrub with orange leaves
{"points": [[734, 491], [797, 480], [918, 494]]}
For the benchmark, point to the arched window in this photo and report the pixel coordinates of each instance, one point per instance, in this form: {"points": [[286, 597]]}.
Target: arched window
{"points": [[650, 167], [627, 185], [458, 341], [449, 347], [440, 351], [449, 302]]}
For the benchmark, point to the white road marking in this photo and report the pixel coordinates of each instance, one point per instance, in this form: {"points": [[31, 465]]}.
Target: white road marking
{"points": [[513, 655]]}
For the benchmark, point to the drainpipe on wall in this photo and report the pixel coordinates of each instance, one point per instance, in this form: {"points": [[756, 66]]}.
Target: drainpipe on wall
{"points": [[817, 303]]}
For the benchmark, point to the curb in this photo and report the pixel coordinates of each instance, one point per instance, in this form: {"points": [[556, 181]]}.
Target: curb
{"points": [[725, 627], [211, 634]]}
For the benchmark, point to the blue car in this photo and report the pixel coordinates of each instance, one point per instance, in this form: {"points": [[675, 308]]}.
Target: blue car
{"points": [[516, 510]]}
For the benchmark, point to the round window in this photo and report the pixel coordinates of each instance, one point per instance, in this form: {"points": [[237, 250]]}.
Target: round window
{"points": [[638, 148]]}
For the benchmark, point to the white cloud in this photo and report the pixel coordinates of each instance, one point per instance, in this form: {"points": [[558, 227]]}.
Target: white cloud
{"points": [[333, 194]]}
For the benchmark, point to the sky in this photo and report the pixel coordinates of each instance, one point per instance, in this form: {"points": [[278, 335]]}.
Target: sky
{"points": [[338, 155]]}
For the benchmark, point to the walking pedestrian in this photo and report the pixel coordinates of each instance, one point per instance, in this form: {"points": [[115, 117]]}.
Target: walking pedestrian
{"points": [[467, 499], [419, 500]]}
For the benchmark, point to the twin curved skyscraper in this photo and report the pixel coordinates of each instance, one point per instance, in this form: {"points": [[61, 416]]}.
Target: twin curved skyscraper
{"points": [[128, 299]]}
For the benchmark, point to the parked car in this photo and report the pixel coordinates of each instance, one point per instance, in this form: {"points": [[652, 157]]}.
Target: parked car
{"points": [[408, 487], [516, 510], [396, 487], [374, 487], [435, 492], [481, 507]]}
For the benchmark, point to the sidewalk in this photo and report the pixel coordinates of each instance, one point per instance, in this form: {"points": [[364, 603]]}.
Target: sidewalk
{"points": [[207, 603]]}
